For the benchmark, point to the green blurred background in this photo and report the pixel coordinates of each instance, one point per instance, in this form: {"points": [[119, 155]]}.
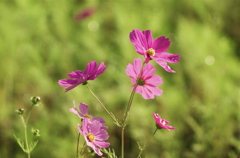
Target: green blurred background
{"points": [[41, 42]]}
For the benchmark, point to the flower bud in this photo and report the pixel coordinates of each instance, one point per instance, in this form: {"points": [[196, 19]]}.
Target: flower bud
{"points": [[35, 100], [36, 132], [20, 111]]}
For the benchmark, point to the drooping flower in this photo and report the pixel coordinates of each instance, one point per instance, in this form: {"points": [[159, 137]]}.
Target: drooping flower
{"points": [[79, 77], [153, 49], [95, 134], [83, 113], [161, 123], [146, 81]]}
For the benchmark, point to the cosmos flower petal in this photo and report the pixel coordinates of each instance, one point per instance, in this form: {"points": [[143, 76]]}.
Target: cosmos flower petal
{"points": [[102, 144], [154, 81], [78, 77], [161, 44], [167, 57], [139, 41], [101, 68], [75, 74], [148, 36], [146, 80], [130, 71], [148, 71], [153, 49], [161, 123], [164, 65], [95, 134], [83, 108]]}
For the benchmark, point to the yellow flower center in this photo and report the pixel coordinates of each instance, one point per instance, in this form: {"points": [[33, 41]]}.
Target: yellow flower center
{"points": [[88, 116], [90, 137], [151, 52]]}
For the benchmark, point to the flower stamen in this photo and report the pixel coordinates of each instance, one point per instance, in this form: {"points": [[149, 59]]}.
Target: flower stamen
{"points": [[90, 137], [87, 116], [151, 52]]}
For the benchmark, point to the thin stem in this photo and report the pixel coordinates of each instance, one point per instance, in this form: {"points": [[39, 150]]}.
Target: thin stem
{"points": [[29, 113], [102, 105], [124, 123], [77, 144], [83, 148], [126, 117], [146, 143], [25, 135]]}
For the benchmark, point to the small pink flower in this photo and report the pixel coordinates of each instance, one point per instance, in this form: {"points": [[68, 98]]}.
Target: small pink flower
{"points": [[85, 13], [79, 77], [146, 81], [153, 49], [83, 113], [161, 123], [95, 134]]}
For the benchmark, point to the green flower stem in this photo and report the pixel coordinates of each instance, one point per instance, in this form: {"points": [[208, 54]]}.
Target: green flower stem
{"points": [[146, 143], [77, 144], [27, 150], [124, 123], [29, 113], [25, 135], [111, 115]]}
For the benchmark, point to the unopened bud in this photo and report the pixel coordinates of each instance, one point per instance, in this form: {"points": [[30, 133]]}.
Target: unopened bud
{"points": [[36, 132], [35, 100], [20, 111]]}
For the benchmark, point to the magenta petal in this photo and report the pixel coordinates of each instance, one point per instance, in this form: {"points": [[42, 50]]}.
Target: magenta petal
{"points": [[130, 72], [155, 90], [67, 82], [101, 120], [102, 144], [161, 44], [148, 71], [139, 41], [154, 81], [148, 37], [83, 108], [75, 74], [101, 68], [164, 65], [161, 122], [137, 65], [91, 70], [171, 58]]}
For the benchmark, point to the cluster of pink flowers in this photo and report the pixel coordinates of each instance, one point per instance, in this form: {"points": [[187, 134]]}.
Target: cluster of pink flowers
{"points": [[143, 79], [92, 128]]}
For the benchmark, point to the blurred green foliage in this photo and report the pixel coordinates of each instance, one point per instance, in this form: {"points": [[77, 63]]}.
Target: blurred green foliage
{"points": [[41, 42]]}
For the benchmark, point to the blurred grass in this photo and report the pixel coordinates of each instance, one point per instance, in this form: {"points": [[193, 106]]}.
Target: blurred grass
{"points": [[41, 42]]}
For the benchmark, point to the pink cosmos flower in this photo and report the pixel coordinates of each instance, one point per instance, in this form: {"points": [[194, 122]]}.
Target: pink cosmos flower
{"points": [[146, 81], [161, 123], [95, 134], [78, 77], [153, 49], [83, 113]]}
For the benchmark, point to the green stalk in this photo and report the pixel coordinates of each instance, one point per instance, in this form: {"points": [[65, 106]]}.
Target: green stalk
{"points": [[126, 117], [77, 144], [102, 105], [147, 142], [25, 135]]}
